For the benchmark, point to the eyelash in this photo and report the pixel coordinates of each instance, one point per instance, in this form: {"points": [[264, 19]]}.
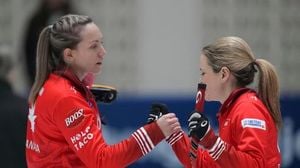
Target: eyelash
{"points": [[96, 45]]}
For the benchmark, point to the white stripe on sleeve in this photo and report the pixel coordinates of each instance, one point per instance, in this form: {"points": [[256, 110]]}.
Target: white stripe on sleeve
{"points": [[174, 138], [139, 141], [218, 148], [144, 141]]}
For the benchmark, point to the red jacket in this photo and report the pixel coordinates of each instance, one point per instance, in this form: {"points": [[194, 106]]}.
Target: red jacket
{"points": [[64, 130], [246, 132]]}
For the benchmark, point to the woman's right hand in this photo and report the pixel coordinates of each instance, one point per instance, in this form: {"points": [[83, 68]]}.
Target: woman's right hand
{"points": [[169, 124]]}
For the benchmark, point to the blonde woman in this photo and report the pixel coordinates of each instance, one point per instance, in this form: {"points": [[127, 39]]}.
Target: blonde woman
{"points": [[249, 120]]}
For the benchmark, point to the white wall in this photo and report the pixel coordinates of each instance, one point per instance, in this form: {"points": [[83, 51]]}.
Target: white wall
{"points": [[153, 46], [168, 46]]}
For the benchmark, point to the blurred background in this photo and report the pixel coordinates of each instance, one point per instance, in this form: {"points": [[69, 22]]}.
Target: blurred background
{"points": [[153, 49]]}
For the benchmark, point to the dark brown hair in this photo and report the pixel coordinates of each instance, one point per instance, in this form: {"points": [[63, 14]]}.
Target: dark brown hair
{"points": [[64, 33]]}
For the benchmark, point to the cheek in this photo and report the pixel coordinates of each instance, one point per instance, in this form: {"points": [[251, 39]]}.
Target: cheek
{"points": [[210, 89], [208, 92], [205, 79]]}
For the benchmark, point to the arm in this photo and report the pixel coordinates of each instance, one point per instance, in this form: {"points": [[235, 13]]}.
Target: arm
{"points": [[249, 149], [180, 142], [181, 147], [81, 129]]}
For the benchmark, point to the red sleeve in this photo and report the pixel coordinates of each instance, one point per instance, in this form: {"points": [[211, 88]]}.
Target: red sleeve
{"points": [[250, 129], [81, 128], [180, 143]]}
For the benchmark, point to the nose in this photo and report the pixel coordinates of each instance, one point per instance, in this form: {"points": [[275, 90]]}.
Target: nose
{"points": [[102, 51]]}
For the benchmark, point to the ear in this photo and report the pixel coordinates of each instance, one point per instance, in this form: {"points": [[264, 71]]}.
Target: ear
{"points": [[68, 55], [225, 74]]}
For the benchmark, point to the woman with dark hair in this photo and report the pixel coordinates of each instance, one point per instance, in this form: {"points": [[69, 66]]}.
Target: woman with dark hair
{"points": [[64, 125]]}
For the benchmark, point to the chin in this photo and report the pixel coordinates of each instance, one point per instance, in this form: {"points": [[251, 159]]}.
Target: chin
{"points": [[97, 71]]}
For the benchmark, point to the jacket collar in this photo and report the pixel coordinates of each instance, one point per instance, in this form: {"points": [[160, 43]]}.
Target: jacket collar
{"points": [[81, 86], [232, 98]]}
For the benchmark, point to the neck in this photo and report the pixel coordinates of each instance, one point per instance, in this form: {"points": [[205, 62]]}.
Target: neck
{"points": [[226, 92], [80, 75]]}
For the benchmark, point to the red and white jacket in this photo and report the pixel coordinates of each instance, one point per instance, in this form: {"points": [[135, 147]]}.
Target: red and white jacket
{"points": [[64, 130], [247, 136]]}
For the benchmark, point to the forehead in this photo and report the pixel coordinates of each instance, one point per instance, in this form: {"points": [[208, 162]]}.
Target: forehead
{"points": [[203, 62], [91, 32]]}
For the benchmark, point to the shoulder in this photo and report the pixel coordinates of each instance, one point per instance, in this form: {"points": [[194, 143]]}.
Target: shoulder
{"points": [[58, 91], [250, 111], [249, 104], [61, 96], [58, 87]]}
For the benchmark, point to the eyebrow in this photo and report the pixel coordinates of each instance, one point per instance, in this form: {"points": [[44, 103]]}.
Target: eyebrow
{"points": [[93, 41]]}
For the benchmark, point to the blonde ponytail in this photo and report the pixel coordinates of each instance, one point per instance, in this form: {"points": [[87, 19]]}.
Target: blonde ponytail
{"points": [[268, 89]]}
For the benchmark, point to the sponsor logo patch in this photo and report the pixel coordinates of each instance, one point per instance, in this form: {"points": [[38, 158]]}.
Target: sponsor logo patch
{"points": [[31, 145], [82, 138], [254, 123], [75, 118]]}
